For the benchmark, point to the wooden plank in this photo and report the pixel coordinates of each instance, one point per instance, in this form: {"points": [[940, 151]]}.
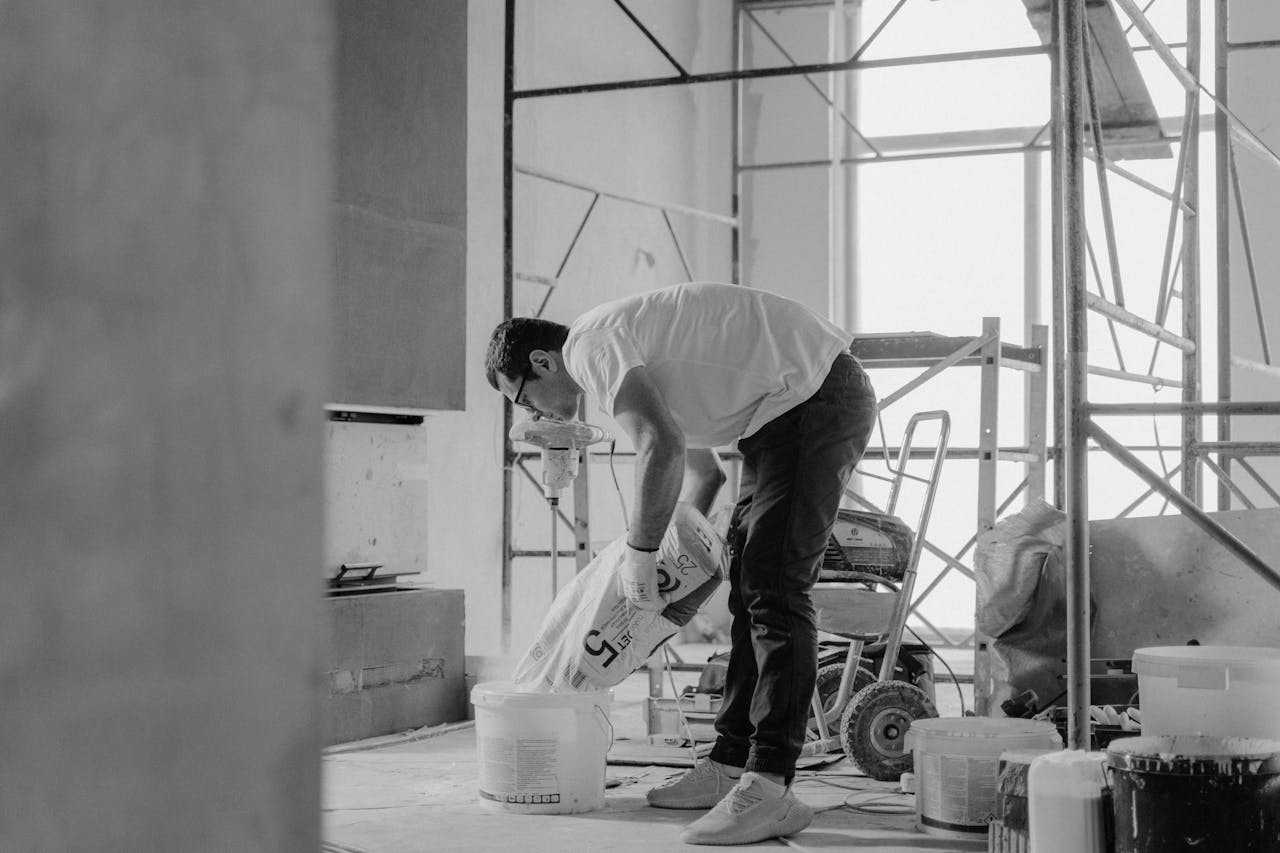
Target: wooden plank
{"points": [[1127, 112], [905, 349]]}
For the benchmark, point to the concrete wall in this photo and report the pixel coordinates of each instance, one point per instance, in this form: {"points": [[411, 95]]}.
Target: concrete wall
{"points": [[463, 450], [395, 663], [400, 203], [669, 145], [165, 175], [785, 211], [429, 498]]}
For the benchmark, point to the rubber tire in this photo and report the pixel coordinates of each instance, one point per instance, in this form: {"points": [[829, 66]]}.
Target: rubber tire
{"points": [[874, 727], [828, 687]]}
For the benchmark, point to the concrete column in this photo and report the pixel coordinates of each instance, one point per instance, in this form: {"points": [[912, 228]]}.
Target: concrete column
{"points": [[165, 181]]}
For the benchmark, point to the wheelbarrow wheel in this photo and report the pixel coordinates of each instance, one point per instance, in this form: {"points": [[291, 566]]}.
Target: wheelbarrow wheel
{"points": [[874, 727], [828, 687]]}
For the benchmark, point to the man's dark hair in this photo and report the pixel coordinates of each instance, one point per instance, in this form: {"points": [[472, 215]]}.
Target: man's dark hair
{"points": [[514, 339]]}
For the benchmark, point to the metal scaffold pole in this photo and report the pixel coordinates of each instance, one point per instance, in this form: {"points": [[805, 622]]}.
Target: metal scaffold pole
{"points": [[1056, 278], [1070, 98], [1192, 485], [1221, 141], [508, 274]]}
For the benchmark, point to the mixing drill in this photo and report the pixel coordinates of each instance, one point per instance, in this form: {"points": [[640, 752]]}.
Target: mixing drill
{"points": [[561, 442]]}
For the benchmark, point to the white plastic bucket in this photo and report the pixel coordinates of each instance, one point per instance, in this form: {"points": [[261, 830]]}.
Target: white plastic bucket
{"points": [[542, 753], [956, 761], [1221, 691]]}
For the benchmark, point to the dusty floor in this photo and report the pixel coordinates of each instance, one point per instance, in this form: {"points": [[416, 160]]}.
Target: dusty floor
{"points": [[418, 793]]}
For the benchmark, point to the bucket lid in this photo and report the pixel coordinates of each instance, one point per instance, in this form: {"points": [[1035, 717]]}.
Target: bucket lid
{"points": [[1195, 755], [493, 694], [981, 727], [1022, 756], [1245, 663]]}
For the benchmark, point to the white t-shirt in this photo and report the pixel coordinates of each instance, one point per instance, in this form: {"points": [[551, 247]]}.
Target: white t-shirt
{"points": [[726, 359]]}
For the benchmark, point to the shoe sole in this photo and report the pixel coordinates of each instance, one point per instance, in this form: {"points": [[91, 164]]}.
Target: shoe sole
{"points": [[686, 803], [797, 819]]}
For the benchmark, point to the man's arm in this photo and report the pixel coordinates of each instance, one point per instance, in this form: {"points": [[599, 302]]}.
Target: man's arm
{"points": [[660, 455], [703, 478]]}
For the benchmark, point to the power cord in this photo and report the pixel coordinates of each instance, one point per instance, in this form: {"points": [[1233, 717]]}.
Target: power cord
{"points": [[617, 487], [684, 721], [881, 802], [954, 680]]}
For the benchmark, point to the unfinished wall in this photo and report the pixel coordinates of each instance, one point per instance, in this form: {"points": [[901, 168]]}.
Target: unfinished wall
{"points": [[164, 328], [400, 203], [667, 144], [463, 450], [428, 498]]}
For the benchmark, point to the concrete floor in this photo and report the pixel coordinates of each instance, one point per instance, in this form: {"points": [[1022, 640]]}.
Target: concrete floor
{"points": [[418, 792]]}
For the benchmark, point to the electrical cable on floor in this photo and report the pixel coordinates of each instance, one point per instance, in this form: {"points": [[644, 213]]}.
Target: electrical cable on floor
{"points": [[684, 721], [822, 780], [883, 804]]}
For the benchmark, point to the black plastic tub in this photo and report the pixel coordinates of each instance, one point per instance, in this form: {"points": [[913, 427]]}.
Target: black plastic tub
{"points": [[1195, 793]]}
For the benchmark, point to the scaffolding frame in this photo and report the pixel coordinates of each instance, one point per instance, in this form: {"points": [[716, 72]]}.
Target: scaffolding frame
{"points": [[1072, 250], [1072, 301], [986, 350]]}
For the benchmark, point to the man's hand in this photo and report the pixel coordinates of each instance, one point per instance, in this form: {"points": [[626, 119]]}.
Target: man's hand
{"points": [[638, 579]]}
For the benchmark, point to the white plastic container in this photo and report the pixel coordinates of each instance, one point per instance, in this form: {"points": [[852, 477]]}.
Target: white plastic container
{"points": [[1065, 806], [956, 761], [1221, 691], [542, 753]]}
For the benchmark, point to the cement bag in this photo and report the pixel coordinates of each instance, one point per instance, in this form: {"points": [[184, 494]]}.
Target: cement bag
{"points": [[1010, 561], [593, 637], [1021, 574]]}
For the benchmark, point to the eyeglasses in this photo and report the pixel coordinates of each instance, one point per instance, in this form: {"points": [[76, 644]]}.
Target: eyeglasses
{"points": [[524, 377]]}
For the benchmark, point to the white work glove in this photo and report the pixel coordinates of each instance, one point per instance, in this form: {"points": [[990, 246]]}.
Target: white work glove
{"points": [[638, 579]]}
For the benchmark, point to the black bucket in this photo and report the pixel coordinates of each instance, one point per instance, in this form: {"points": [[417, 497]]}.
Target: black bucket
{"points": [[1195, 793]]}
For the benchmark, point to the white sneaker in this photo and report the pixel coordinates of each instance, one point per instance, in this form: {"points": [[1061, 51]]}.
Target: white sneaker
{"points": [[701, 787], [756, 809]]}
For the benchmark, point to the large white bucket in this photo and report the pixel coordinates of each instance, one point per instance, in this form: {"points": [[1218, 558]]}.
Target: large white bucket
{"points": [[542, 753], [1223, 691], [956, 761]]}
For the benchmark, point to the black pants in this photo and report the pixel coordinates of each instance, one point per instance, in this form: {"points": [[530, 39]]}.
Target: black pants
{"points": [[794, 470]]}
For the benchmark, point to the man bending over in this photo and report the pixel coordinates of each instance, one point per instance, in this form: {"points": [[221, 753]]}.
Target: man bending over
{"points": [[683, 370]]}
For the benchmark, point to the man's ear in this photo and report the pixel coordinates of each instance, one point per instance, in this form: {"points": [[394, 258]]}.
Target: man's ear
{"points": [[543, 359]]}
